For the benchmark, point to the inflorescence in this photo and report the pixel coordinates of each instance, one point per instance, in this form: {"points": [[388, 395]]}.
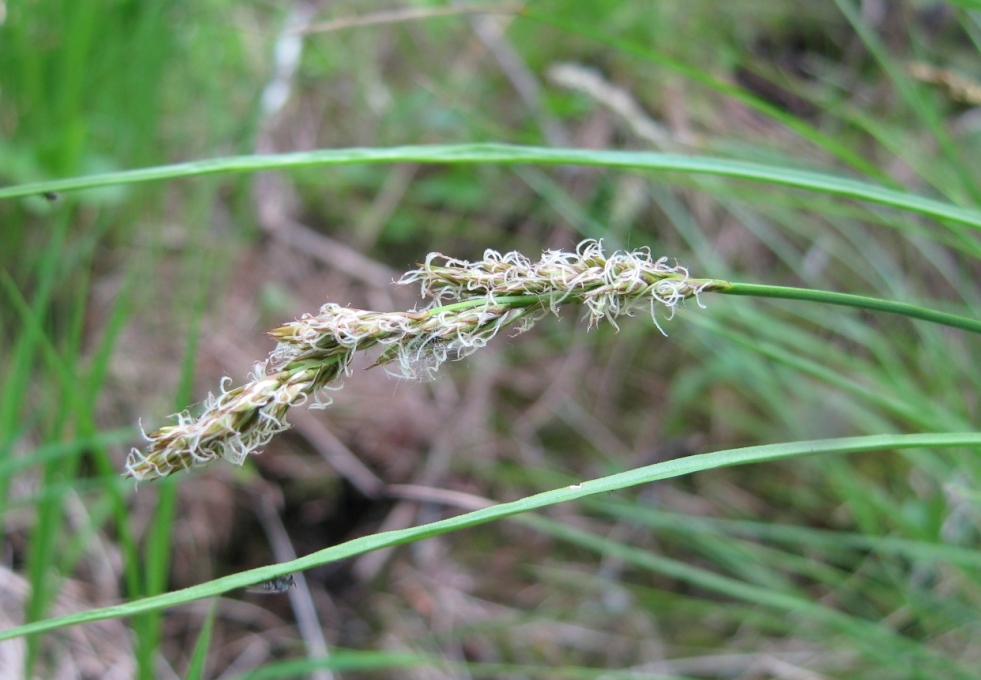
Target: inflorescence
{"points": [[470, 302]]}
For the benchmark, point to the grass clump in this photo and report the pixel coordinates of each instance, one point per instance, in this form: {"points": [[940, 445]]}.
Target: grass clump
{"points": [[808, 152]]}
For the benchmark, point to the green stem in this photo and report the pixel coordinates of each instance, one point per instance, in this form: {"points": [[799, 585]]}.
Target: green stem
{"points": [[760, 290], [512, 301], [847, 300]]}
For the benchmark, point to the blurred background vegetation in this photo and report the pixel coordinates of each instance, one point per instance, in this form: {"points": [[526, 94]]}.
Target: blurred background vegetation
{"points": [[126, 304]]}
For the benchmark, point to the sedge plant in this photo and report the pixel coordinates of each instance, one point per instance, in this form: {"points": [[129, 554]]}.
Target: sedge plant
{"points": [[894, 596], [471, 302]]}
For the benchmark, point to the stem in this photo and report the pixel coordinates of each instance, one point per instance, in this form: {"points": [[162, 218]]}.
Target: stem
{"points": [[511, 301], [766, 291], [847, 300]]}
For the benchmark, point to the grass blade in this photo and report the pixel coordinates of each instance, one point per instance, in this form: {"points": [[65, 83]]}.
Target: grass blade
{"points": [[473, 154], [644, 475]]}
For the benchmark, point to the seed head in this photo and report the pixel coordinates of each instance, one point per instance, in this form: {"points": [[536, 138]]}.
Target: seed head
{"points": [[470, 302]]}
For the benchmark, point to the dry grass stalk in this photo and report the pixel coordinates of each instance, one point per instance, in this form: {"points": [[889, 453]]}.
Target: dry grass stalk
{"points": [[470, 302]]}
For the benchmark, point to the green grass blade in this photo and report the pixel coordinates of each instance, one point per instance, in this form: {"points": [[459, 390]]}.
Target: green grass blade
{"points": [[472, 154], [931, 120], [879, 642], [199, 659], [159, 538], [792, 535], [828, 143], [644, 475]]}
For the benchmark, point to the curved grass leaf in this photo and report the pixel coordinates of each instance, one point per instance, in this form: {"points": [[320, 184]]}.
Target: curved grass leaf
{"points": [[472, 154], [644, 475]]}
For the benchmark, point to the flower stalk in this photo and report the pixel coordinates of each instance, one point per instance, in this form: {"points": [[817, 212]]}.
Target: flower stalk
{"points": [[470, 303]]}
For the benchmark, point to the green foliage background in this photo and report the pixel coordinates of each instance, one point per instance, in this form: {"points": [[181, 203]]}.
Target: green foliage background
{"points": [[127, 297]]}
